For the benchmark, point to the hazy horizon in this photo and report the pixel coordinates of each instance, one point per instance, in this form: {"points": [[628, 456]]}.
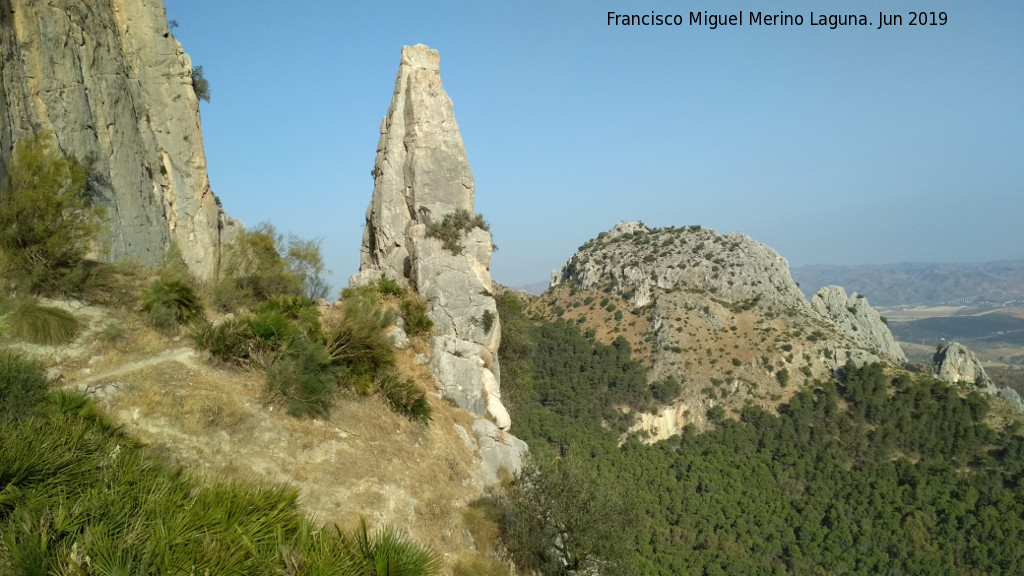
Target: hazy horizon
{"points": [[846, 146]]}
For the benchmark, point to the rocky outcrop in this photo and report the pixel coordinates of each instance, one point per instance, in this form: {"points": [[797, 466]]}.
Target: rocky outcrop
{"points": [[422, 175], [717, 312], [858, 321], [633, 260], [114, 87], [955, 364]]}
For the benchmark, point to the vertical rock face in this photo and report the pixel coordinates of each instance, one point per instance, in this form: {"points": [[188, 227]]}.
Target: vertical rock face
{"points": [[421, 174], [114, 87]]}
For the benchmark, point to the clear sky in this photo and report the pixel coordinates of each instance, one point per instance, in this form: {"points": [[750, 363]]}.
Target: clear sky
{"points": [[846, 146]]}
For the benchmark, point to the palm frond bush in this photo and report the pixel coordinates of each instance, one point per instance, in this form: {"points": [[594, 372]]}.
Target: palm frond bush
{"points": [[23, 385], [171, 303], [298, 309], [403, 395], [79, 498], [389, 553], [304, 376], [31, 321], [231, 341], [272, 329]]}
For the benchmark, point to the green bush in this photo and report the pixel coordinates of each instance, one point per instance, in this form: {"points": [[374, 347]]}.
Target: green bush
{"points": [[304, 376], [79, 497], [453, 227], [29, 320], [563, 517], [666, 390], [389, 287], [782, 376], [299, 309], [414, 313], [200, 85], [169, 304], [232, 341], [23, 385], [47, 221], [263, 263], [487, 321], [272, 329], [404, 396], [389, 552]]}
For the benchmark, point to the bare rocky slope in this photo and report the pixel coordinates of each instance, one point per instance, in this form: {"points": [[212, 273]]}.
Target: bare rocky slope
{"points": [[720, 313], [113, 86]]}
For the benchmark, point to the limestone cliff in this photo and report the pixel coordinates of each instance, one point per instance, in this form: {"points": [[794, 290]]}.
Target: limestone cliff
{"points": [[421, 174], [719, 313], [114, 87]]}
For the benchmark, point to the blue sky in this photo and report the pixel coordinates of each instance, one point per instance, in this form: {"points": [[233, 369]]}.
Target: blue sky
{"points": [[846, 146]]}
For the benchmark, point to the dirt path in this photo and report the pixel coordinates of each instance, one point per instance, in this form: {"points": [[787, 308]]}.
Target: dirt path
{"points": [[181, 355]]}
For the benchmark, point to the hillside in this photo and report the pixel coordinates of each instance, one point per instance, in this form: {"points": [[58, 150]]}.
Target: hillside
{"points": [[921, 284], [719, 313]]}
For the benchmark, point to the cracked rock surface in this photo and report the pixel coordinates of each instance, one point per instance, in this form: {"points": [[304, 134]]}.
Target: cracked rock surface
{"points": [[421, 174]]}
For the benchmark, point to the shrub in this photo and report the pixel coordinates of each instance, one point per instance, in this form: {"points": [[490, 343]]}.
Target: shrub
{"points": [[272, 329], [303, 375], [200, 84], [716, 415], [47, 221], [171, 303], [666, 390], [403, 395], [356, 343], [782, 376], [232, 341], [453, 227], [302, 311], [262, 263], [389, 552], [23, 385], [389, 287], [414, 313], [38, 324], [488, 321]]}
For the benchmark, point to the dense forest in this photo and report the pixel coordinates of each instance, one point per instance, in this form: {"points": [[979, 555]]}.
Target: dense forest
{"points": [[870, 473]]}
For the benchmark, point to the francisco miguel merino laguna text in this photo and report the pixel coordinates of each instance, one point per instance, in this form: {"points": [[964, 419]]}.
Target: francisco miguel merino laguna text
{"points": [[832, 21]]}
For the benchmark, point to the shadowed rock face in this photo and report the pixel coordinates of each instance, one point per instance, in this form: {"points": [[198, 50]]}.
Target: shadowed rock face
{"points": [[421, 174], [114, 87]]}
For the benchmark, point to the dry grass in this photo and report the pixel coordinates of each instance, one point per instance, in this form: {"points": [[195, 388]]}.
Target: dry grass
{"points": [[363, 461]]}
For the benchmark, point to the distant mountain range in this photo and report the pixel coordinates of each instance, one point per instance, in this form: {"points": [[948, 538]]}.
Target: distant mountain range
{"points": [[920, 283]]}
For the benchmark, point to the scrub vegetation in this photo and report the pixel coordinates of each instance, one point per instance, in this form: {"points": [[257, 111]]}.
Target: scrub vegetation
{"points": [[867, 473], [80, 497]]}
